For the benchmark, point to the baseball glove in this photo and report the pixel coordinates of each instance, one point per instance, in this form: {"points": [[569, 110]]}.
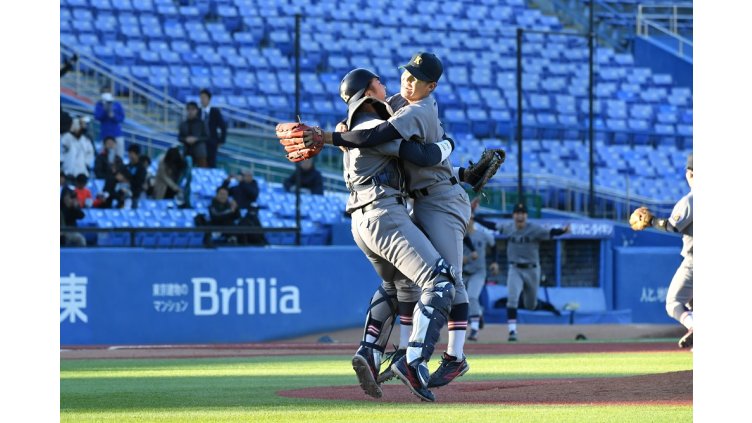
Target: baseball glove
{"points": [[640, 219], [478, 174], [301, 142]]}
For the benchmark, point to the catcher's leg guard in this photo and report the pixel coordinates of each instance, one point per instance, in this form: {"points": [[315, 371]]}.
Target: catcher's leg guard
{"points": [[429, 317], [380, 318]]}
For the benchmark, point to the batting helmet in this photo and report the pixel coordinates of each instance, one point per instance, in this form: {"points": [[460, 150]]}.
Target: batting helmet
{"points": [[354, 84]]}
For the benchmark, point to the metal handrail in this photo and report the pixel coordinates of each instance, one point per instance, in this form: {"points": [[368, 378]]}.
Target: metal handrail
{"points": [[645, 21], [169, 104], [646, 24]]}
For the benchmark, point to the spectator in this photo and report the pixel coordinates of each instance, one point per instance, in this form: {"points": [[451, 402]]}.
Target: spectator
{"points": [[107, 162], [118, 189], [70, 214], [245, 192], [136, 173], [215, 125], [63, 184], [149, 181], [310, 178], [223, 210], [65, 118], [110, 115], [172, 168], [193, 135], [83, 194], [68, 64], [77, 151]]}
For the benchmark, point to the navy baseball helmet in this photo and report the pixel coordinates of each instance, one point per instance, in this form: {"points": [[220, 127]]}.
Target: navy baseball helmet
{"points": [[352, 89], [354, 84]]}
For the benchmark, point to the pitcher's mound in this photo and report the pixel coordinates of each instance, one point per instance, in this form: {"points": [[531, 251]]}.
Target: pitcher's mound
{"points": [[664, 388]]}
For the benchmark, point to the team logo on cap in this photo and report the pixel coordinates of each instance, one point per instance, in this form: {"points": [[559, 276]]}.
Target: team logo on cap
{"points": [[418, 60]]}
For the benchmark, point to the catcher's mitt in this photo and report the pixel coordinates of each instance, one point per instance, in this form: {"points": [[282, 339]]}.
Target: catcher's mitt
{"points": [[640, 219], [479, 173], [301, 141]]}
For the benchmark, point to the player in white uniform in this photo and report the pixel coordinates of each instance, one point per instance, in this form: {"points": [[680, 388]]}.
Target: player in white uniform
{"points": [[679, 296]]}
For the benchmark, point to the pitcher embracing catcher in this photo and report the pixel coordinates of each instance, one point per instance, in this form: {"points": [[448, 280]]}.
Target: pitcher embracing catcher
{"points": [[436, 214]]}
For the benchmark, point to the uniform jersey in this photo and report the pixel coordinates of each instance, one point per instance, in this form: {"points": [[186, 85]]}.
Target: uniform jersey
{"points": [[681, 219], [362, 164], [420, 122], [481, 239], [523, 244]]}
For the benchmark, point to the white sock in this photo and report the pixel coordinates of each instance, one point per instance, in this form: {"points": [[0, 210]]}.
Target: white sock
{"points": [[371, 339], [475, 324], [456, 343], [512, 326], [405, 335], [687, 320]]}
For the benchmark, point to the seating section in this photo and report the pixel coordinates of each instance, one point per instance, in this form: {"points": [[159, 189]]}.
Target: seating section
{"points": [[244, 51], [276, 210]]}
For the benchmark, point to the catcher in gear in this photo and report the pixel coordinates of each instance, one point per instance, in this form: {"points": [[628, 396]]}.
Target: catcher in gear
{"points": [[679, 295], [441, 208], [398, 250]]}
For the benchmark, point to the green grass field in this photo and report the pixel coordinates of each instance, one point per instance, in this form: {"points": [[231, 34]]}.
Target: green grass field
{"points": [[243, 390]]}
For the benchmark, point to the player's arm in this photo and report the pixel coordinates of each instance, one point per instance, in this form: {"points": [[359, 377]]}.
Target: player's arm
{"points": [[487, 223], [559, 231], [365, 138], [425, 155]]}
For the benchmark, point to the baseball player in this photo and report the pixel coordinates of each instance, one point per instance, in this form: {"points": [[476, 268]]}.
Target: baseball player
{"points": [[382, 228], [441, 207], [524, 273], [679, 295], [418, 121], [476, 242]]}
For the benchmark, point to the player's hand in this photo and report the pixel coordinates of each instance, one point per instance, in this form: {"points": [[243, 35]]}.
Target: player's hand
{"points": [[494, 268], [341, 127]]}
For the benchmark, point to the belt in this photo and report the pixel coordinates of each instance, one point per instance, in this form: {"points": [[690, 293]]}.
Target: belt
{"points": [[424, 191], [373, 205], [525, 265]]}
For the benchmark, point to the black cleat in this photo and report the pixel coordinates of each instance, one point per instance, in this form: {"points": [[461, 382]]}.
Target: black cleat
{"points": [[414, 377], [448, 370], [364, 364]]}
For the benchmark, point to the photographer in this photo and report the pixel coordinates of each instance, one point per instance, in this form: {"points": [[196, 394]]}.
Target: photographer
{"points": [[110, 115]]}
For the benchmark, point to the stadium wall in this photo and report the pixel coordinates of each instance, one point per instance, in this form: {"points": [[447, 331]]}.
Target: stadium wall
{"points": [[112, 296], [661, 59]]}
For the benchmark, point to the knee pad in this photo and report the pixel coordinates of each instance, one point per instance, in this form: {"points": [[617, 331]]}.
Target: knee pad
{"points": [[439, 298], [443, 271]]}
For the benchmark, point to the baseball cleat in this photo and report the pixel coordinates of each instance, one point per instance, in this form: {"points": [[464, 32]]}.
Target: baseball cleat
{"points": [[686, 340], [388, 373], [365, 367], [412, 376], [512, 336], [449, 369], [473, 335]]}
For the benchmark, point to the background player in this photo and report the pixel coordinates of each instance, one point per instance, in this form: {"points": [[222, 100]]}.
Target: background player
{"points": [[523, 256], [679, 295], [476, 242]]}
